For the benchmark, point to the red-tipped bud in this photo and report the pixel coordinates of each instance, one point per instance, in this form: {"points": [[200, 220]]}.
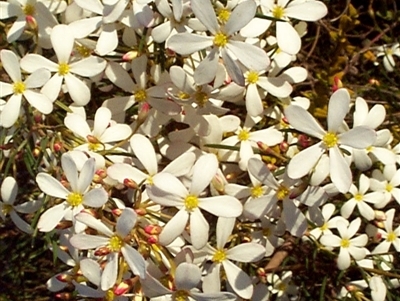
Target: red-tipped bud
{"points": [[57, 146], [31, 21], [169, 52], [262, 146], [337, 84], [101, 173], [116, 211], [380, 216], [152, 229], [63, 277], [153, 239], [38, 117], [130, 184], [122, 288], [283, 147], [143, 113], [92, 139], [141, 211], [64, 296], [36, 152], [304, 141], [374, 82], [102, 251], [129, 56]]}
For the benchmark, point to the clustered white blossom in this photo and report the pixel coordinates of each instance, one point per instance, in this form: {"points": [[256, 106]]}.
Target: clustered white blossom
{"points": [[145, 184]]}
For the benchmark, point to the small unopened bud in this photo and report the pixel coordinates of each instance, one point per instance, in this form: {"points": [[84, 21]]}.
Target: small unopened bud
{"points": [[169, 52], [31, 21], [116, 211], [38, 117], [218, 184], [130, 184], [129, 56], [379, 224], [92, 139], [102, 173], [380, 215], [337, 84], [152, 229], [64, 296], [143, 113], [304, 141], [57, 146], [153, 239], [63, 277], [374, 82], [283, 147], [36, 152], [122, 288], [261, 272], [102, 251], [141, 211]]}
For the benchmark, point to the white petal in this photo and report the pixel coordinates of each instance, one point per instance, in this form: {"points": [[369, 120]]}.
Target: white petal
{"points": [[246, 252], [222, 205], [119, 77], [83, 27], [170, 184], [86, 175], [52, 87], [95, 198], [50, 218], [232, 67], [187, 43], [339, 170], [204, 11], [71, 172], [86, 242], [51, 186], [33, 62], [135, 260], [110, 272], [9, 190], [338, 109], [62, 40], [78, 90], [174, 227], [359, 137], [187, 276], [240, 17], [238, 279], [288, 38], [144, 151], [307, 11], [11, 64], [91, 270], [254, 104], [88, 67], [343, 259], [199, 229], [116, 132], [203, 171], [37, 78], [303, 121], [224, 230], [302, 163], [253, 57], [295, 220], [207, 69], [126, 222], [11, 110], [16, 29], [20, 223], [108, 39], [276, 86], [94, 223]]}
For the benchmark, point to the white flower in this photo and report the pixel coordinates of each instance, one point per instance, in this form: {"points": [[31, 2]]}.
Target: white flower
{"points": [[62, 41], [222, 42], [169, 191], [390, 236], [247, 252], [329, 222], [349, 246], [114, 242], [387, 183], [388, 52], [281, 286], [9, 190], [358, 137], [11, 110], [75, 199], [360, 199]]}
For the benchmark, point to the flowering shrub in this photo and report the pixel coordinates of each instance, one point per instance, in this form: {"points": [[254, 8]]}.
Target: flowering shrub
{"points": [[166, 150]]}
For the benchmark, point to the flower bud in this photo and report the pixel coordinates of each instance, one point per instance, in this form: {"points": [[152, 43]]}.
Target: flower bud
{"points": [[129, 56], [31, 21], [152, 229], [131, 184], [57, 146]]}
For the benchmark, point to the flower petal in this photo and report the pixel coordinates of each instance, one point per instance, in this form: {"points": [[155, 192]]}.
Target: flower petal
{"points": [[62, 41], [303, 121], [135, 260], [302, 163], [77, 89], [340, 172], [51, 186], [51, 217], [204, 171], [338, 109], [174, 227], [222, 205], [11, 64], [199, 229]]}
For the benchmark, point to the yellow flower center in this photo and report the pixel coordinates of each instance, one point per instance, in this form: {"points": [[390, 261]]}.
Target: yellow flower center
{"points": [[324, 227], [369, 149], [252, 77], [244, 135], [330, 139], [74, 199], [278, 12], [180, 295], [115, 243], [184, 96], [191, 202], [345, 243], [19, 88], [220, 39], [358, 197], [389, 187], [29, 10], [201, 98], [257, 191], [391, 237], [219, 256], [94, 146], [83, 50], [223, 15], [63, 69], [282, 286], [6, 209], [282, 192], [140, 95], [149, 180]]}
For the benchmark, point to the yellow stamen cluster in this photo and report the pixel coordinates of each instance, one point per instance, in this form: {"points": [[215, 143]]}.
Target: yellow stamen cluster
{"points": [[140, 95], [257, 191], [180, 295], [63, 69], [330, 139], [345, 243], [219, 256], [6, 209], [282, 193], [19, 88], [201, 98], [183, 96], [191, 202], [115, 243], [391, 237], [94, 146], [252, 77], [223, 15], [220, 39], [278, 12], [74, 199], [84, 51], [109, 295], [244, 135], [389, 187], [29, 10], [358, 197]]}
